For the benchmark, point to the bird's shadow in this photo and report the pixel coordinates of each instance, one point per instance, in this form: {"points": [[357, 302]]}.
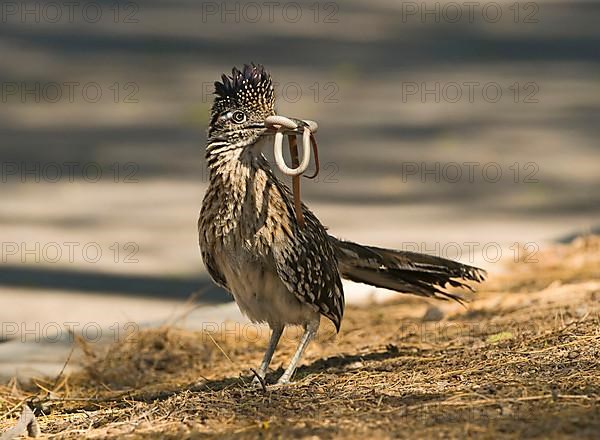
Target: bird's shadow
{"points": [[334, 364], [243, 383]]}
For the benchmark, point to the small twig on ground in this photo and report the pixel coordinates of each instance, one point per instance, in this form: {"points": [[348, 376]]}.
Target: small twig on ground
{"points": [[54, 387], [260, 379], [218, 346]]}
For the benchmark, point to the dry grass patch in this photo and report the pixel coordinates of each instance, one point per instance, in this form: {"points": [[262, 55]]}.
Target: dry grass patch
{"points": [[520, 361]]}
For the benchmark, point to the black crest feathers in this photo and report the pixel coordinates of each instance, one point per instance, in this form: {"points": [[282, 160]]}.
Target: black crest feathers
{"points": [[250, 88]]}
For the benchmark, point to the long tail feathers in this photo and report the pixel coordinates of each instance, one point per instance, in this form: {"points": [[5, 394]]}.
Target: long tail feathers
{"points": [[403, 271]]}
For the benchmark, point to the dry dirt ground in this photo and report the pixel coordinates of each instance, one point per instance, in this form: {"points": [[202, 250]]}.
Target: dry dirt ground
{"points": [[520, 361]]}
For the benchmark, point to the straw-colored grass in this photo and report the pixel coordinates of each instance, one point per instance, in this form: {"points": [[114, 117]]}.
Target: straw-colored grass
{"points": [[521, 361]]}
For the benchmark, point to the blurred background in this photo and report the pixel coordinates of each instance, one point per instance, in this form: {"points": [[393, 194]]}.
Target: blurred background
{"points": [[463, 129]]}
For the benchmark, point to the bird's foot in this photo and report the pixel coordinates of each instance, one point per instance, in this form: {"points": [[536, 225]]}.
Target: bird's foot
{"points": [[283, 380], [259, 380]]}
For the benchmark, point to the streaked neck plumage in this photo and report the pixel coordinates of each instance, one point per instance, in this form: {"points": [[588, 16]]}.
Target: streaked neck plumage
{"points": [[235, 160]]}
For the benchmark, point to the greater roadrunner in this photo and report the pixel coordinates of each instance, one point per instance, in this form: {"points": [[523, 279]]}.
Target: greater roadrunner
{"points": [[278, 271]]}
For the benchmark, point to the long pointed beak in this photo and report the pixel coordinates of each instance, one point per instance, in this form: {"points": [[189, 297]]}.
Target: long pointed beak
{"points": [[277, 123]]}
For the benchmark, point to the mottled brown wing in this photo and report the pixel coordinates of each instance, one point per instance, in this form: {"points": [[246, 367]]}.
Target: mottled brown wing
{"points": [[205, 248], [307, 265], [213, 271]]}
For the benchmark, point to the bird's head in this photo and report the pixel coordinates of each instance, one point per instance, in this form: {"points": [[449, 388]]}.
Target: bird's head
{"points": [[243, 101]]}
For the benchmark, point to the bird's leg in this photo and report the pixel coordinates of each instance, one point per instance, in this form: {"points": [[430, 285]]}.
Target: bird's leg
{"points": [[309, 332], [264, 365]]}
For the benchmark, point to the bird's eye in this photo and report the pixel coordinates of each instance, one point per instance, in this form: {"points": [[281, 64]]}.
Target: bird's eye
{"points": [[238, 117]]}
